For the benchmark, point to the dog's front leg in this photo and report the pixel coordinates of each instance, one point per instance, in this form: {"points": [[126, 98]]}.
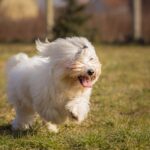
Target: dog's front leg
{"points": [[78, 109]]}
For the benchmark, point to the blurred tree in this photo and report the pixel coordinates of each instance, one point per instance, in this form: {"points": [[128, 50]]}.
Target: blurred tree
{"points": [[71, 21], [49, 18], [137, 20]]}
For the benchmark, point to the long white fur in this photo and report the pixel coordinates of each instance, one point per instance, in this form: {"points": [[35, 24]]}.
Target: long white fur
{"points": [[47, 83]]}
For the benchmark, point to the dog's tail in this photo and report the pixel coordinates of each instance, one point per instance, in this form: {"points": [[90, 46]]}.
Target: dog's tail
{"points": [[16, 59]]}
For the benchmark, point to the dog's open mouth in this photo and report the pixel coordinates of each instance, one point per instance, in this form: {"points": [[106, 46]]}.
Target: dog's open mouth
{"points": [[85, 81]]}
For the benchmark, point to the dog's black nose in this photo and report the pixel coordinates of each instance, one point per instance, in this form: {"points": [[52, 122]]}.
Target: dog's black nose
{"points": [[90, 72]]}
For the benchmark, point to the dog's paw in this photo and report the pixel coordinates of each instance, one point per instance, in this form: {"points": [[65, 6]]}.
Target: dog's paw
{"points": [[78, 109], [73, 116], [77, 115], [52, 128], [19, 126]]}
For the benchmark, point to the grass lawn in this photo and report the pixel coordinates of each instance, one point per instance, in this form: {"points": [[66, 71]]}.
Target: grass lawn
{"points": [[120, 106]]}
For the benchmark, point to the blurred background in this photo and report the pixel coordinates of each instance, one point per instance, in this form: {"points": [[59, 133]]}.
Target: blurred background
{"points": [[111, 21]]}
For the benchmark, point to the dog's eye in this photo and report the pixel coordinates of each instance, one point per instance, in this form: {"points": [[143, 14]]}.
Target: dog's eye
{"points": [[91, 58], [85, 47]]}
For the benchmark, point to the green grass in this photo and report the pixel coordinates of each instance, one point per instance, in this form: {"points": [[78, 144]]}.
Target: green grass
{"points": [[120, 106]]}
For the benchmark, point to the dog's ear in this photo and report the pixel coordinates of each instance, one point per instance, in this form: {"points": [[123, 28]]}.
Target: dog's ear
{"points": [[81, 51]]}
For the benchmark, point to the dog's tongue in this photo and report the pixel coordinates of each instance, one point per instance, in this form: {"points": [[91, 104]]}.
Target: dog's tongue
{"points": [[86, 82]]}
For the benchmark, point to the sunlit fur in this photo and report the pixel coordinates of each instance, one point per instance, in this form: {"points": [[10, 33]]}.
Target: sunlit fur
{"points": [[48, 82]]}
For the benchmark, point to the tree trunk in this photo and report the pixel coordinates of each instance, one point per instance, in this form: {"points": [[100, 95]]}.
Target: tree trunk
{"points": [[137, 19], [49, 18]]}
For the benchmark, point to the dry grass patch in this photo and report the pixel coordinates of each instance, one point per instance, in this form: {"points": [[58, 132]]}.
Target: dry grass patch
{"points": [[120, 106]]}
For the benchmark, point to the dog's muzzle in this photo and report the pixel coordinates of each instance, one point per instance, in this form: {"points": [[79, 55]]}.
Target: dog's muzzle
{"points": [[86, 80]]}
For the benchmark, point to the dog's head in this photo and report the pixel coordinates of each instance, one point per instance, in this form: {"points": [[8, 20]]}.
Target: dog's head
{"points": [[74, 60]]}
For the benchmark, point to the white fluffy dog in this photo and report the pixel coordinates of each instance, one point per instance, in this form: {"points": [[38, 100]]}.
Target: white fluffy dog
{"points": [[56, 84]]}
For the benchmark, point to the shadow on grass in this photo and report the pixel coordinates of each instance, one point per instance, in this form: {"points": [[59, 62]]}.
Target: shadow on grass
{"points": [[7, 130]]}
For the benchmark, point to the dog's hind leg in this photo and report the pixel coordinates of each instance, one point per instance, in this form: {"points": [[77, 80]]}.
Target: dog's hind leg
{"points": [[24, 118], [52, 127]]}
